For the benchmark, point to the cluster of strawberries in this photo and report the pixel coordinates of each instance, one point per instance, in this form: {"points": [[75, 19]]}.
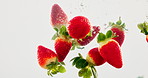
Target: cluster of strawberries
{"points": [[77, 33]]}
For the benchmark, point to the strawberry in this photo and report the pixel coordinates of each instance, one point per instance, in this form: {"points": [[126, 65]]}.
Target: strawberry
{"points": [[45, 56], [94, 57], [62, 47], [47, 59], [79, 27], [144, 29], [118, 29], [110, 49], [88, 39], [58, 17]]}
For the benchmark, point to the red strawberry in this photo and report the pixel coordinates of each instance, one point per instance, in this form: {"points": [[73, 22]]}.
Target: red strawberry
{"points": [[118, 29], [94, 57], [110, 49], [88, 39], [144, 29], [62, 47], [58, 17], [45, 56], [79, 27]]}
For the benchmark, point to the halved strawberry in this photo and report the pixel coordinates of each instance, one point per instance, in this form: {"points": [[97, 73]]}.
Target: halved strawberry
{"points": [[94, 57], [47, 59], [79, 27], [45, 56], [144, 29], [62, 47], [89, 38], [58, 17], [110, 49], [118, 29]]}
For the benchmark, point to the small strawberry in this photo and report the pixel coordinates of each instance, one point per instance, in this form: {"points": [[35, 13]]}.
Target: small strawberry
{"points": [[89, 38], [144, 29], [118, 29], [62, 47], [45, 56], [47, 59], [58, 17], [110, 49], [79, 27], [94, 57]]}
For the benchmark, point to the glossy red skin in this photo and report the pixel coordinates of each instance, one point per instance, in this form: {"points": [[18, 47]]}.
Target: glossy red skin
{"points": [[44, 54], [120, 35], [62, 48], [147, 38], [88, 39], [111, 52], [96, 57], [58, 17], [79, 27]]}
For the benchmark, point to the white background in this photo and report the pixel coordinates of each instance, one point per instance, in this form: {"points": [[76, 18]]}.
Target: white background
{"points": [[24, 24]]}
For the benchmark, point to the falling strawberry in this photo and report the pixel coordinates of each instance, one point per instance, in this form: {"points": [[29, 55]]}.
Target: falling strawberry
{"points": [[58, 17], [79, 27], [118, 28], [62, 47], [47, 59], [110, 49], [94, 57], [89, 38], [45, 56], [144, 29]]}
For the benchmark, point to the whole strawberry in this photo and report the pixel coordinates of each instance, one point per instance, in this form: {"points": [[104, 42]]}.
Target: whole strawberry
{"points": [[110, 49], [45, 56], [62, 47], [47, 59], [79, 27], [144, 29], [94, 57], [118, 29], [58, 17]]}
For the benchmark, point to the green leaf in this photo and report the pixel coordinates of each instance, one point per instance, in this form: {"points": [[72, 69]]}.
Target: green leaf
{"points": [[56, 29], [80, 47], [73, 47], [81, 63], [82, 72], [61, 69], [109, 34], [63, 31], [75, 61], [101, 37], [54, 36], [54, 72], [62, 63]]}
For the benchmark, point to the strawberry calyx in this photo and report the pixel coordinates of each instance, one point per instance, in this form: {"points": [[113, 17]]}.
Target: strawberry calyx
{"points": [[105, 37], [118, 25], [143, 27], [55, 67], [86, 69], [61, 32]]}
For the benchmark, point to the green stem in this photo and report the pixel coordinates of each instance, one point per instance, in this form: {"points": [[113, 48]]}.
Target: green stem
{"points": [[94, 71]]}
